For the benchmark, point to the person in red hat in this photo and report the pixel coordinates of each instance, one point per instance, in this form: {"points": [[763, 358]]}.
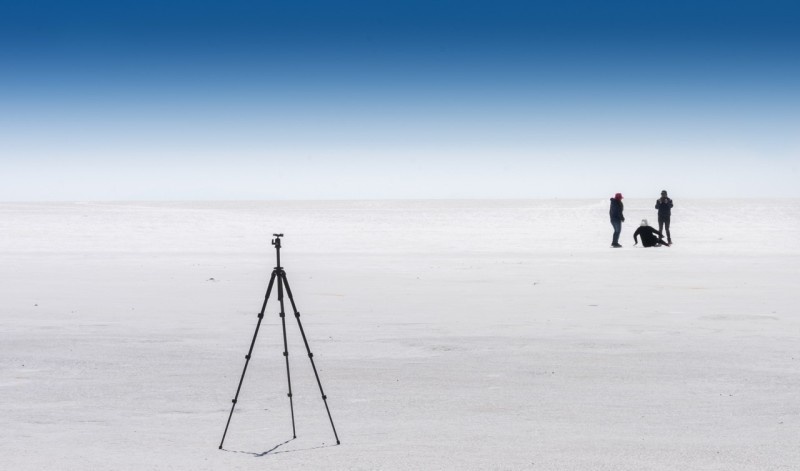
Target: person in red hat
{"points": [[615, 213]]}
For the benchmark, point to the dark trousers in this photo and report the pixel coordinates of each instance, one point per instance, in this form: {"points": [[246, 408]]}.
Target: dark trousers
{"points": [[617, 229], [663, 222]]}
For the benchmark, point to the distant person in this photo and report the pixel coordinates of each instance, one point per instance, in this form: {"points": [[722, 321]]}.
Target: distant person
{"points": [[615, 213], [664, 207], [650, 236]]}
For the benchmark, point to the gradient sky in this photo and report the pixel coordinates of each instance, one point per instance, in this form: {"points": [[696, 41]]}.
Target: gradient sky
{"points": [[199, 100]]}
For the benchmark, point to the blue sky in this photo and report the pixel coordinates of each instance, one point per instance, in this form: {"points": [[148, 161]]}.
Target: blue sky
{"points": [[188, 100]]}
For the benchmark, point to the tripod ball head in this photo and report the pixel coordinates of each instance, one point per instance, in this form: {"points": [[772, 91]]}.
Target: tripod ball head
{"points": [[277, 240]]}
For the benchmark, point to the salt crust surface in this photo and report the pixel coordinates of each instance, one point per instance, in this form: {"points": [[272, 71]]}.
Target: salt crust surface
{"points": [[447, 334]]}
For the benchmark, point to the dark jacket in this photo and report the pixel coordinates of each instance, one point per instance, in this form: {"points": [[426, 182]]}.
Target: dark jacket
{"points": [[650, 236], [664, 208], [615, 211]]}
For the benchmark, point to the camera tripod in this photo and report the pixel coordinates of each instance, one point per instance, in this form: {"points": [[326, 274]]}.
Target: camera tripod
{"points": [[280, 276]]}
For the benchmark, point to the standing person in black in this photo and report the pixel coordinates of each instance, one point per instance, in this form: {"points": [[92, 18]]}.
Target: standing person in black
{"points": [[615, 213], [664, 207], [650, 236]]}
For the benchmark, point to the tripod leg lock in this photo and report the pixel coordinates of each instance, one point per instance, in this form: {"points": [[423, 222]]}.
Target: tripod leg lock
{"points": [[297, 315], [286, 354], [233, 401], [310, 355], [290, 395], [260, 315], [247, 357], [324, 397], [282, 315]]}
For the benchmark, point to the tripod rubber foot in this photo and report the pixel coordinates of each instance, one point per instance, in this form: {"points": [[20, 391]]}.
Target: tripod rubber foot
{"points": [[220, 447], [338, 442]]}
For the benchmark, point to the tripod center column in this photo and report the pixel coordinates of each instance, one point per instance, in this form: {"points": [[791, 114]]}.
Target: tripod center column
{"points": [[277, 243]]}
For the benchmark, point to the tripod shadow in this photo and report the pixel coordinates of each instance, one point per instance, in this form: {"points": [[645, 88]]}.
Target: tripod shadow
{"points": [[272, 451]]}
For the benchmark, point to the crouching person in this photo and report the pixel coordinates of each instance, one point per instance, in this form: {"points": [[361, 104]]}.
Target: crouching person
{"points": [[650, 236]]}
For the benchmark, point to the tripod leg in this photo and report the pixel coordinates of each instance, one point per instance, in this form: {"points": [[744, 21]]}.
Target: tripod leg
{"points": [[250, 352], [282, 275], [286, 350]]}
